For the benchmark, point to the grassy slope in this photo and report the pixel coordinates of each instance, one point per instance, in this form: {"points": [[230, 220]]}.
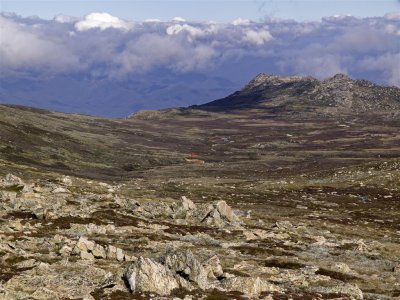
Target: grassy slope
{"points": [[253, 144]]}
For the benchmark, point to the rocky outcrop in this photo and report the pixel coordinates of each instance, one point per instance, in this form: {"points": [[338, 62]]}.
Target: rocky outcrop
{"points": [[147, 275], [220, 214], [181, 269], [187, 266]]}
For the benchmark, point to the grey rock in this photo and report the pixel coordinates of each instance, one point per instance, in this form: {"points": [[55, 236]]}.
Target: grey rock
{"points": [[60, 190], [219, 214], [99, 251], [186, 265], [120, 254], [147, 275], [213, 267], [225, 211], [111, 252], [87, 255], [84, 244], [187, 204], [11, 181]]}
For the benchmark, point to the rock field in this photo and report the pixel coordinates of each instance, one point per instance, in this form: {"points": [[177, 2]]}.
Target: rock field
{"points": [[73, 238]]}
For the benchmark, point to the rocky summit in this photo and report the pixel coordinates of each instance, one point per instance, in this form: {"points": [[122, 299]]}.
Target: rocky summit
{"points": [[287, 189], [294, 94]]}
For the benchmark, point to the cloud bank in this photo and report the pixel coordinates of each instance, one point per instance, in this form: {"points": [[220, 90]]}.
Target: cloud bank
{"points": [[100, 45]]}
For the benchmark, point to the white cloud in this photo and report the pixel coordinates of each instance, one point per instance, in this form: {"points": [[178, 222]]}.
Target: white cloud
{"points": [[102, 21], [360, 47], [177, 28], [388, 64], [392, 16], [65, 19], [152, 20], [178, 20], [241, 22], [257, 37], [23, 46], [392, 29]]}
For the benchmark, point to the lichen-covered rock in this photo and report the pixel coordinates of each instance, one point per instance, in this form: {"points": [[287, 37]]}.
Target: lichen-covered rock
{"points": [[147, 275], [111, 252], [225, 211], [220, 214], [187, 204], [11, 182], [86, 255], [186, 265], [99, 251], [213, 267], [84, 244]]}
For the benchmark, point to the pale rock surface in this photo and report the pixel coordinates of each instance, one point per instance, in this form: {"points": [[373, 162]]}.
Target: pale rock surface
{"points": [[99, 251], [187, 204], [187, 266], [12, 181], [84, 244], [251, 286], [147, 275]]}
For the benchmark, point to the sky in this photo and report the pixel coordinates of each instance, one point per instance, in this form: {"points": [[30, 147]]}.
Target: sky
{"points": [[112, 58], [203, 10]]}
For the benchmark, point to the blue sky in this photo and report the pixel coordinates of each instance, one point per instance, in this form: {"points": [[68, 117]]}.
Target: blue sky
{"points": [[217, 10]]}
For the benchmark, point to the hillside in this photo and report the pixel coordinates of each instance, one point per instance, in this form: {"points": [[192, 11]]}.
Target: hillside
{"points": [[287, 189], [306, 94]]}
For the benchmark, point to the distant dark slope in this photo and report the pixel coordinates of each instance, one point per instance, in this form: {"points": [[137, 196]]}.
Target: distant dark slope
{"points": [[111, 97], [291, 94]]}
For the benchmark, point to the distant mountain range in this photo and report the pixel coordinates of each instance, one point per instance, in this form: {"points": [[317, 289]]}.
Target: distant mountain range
{"points": [[164, 89], [113, 97]]}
